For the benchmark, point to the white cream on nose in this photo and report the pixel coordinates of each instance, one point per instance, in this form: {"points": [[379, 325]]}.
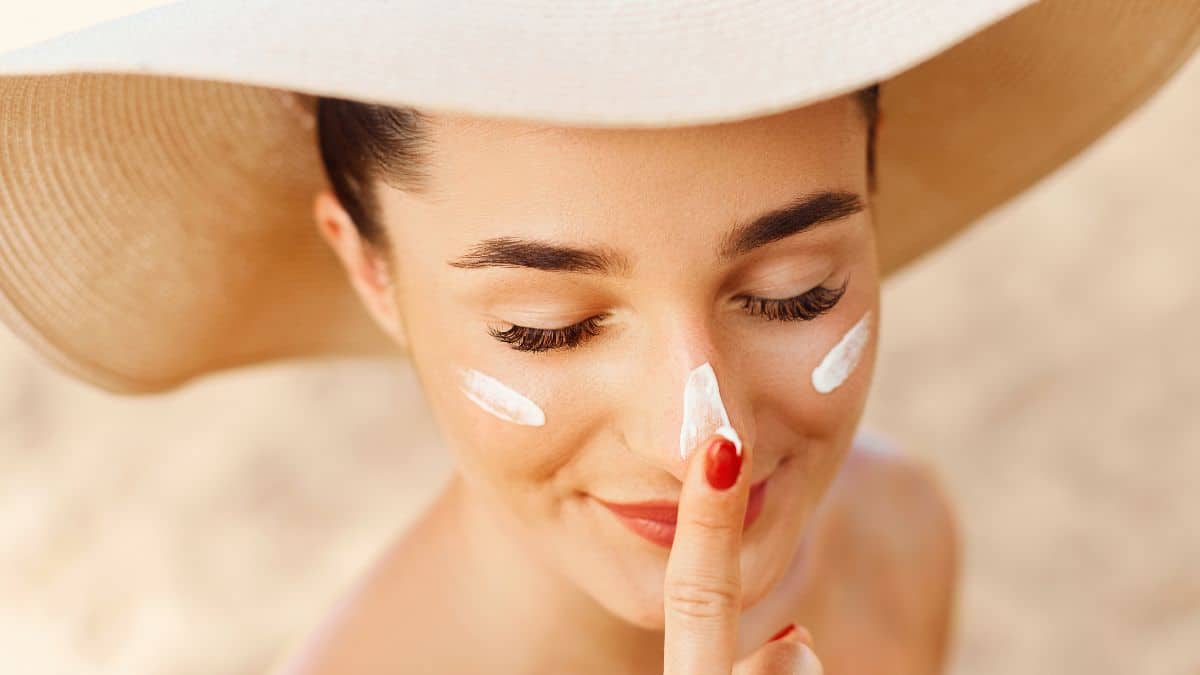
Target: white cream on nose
{"points": [[499, 399], [703, 411], [843, 357]]}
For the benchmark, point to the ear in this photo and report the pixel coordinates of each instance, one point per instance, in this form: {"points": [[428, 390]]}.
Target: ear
{"points": [[366, 267]]}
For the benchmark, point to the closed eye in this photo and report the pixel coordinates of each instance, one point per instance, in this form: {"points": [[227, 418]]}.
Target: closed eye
{"points": [[804, 307], [526, 339]]}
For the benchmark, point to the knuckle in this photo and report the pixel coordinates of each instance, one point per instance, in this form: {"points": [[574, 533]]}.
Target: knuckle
{"points": [[703, 598], [712, 525]]}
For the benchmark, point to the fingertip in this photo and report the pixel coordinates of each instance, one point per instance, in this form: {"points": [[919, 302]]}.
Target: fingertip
{"points": [[807, 662], [804, 636], [794, 633], [730, 434], [783, 633], [723, 463], [787, 654]]}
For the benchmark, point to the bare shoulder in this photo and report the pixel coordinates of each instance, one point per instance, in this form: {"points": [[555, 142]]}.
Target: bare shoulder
{"points": [[886, 547], [342, 641], [896, 502]]}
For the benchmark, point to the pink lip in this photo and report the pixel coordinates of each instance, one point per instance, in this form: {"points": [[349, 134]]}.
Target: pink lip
{"points": [[655, 520]]}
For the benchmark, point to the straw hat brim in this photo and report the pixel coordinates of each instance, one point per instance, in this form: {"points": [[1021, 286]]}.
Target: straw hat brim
{"points": [[156, 177]]}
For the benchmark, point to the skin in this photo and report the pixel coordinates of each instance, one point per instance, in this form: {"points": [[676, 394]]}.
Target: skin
{"points": [[515, 557]]}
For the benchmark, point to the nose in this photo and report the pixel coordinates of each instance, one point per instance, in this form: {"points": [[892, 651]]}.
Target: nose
{"points": [[685, 392], [703, 411]]}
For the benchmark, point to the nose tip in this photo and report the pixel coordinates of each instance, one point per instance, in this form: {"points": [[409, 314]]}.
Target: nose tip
{"points": [[703, 411]]}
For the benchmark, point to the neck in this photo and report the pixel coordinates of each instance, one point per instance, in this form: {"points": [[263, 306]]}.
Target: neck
{"points": [[524, 616]]}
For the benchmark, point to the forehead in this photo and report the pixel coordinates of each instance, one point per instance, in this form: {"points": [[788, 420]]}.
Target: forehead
{"points": [[496, 177], [808, 139]]}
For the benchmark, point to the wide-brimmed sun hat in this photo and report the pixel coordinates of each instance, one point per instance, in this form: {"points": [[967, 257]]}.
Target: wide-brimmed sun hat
{"points": [[157, 171]]}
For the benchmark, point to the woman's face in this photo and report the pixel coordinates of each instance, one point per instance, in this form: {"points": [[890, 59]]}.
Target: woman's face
{"points": [[642, 241]]}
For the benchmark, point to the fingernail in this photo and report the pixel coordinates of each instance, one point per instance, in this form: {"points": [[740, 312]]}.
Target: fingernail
{"points": [[786, 629], [722, 464]]}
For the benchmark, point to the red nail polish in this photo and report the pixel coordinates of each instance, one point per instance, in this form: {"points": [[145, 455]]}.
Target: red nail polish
{"points": [[722, 464], [786, 629]]}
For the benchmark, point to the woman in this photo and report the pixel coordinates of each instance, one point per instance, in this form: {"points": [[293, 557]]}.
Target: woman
{"points": [[638, 279], [587, 274]]}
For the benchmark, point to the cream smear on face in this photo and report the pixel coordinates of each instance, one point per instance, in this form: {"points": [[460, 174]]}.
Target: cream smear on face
{"points": [[703, 411], [499, 399], [840, 361]]}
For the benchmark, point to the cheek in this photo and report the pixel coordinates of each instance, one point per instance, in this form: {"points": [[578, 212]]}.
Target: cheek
{"points": [[816, 385], [512, 426], [493, 415], [842, 359], [813, 380], [505, 430], [498, 399]]}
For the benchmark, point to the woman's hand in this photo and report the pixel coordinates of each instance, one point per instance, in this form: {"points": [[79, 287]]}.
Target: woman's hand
{"points": [[703, 587]]}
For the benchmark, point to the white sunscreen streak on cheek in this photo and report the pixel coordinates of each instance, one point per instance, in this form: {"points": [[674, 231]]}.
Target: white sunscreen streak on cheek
{"points": [[703, 411], [499, 399], [841, 360]]}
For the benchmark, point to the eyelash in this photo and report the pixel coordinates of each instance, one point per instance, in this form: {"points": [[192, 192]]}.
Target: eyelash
{"points": [[804, 307], [525, 339]]}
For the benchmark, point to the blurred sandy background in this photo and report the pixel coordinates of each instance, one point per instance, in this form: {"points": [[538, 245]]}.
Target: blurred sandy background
{"points": [[1046, 362]]}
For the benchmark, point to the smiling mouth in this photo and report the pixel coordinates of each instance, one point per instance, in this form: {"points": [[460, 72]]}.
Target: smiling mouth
{"points": [[655, 520]]}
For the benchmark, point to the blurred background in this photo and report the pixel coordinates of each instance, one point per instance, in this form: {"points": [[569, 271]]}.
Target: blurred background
{"points": [[1041, 362]]}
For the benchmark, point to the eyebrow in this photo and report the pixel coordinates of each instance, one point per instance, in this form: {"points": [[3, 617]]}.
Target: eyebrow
{"points": [[799, 215]]}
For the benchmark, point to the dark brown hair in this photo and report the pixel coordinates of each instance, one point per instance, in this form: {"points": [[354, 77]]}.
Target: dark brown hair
{"points": [[360, 142]]}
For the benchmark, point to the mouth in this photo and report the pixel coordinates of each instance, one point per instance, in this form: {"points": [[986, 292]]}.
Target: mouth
{"points": [[655, 520]]}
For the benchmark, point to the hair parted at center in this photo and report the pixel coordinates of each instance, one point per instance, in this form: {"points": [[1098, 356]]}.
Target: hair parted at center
{"points": [[362, 142]]}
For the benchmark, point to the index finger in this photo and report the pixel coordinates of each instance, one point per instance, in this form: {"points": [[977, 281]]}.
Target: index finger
{"points": [[703, 589]]}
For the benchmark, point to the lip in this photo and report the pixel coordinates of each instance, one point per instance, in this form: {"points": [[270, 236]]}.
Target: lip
{"points": [[655, 520]]}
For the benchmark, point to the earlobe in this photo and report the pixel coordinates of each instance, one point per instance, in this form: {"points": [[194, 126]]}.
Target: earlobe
{"points": [[383, 300], [372, 277]]}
